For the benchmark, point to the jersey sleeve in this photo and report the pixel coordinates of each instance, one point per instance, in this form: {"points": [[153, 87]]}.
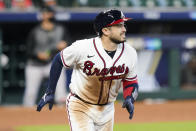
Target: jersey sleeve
{"points": [[132, 75], [130, 83], [70, 55]]}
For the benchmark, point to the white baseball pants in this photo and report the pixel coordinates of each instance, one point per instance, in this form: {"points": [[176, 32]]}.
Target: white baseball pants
{"points": [[88, 117]]}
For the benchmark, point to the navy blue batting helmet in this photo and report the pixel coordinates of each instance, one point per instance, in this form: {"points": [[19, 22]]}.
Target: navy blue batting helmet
{"points": [[108, 18]]}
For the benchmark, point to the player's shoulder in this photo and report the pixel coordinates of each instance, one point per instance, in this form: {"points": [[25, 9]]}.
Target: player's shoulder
{"points": [[129, 48], [83, 42]]}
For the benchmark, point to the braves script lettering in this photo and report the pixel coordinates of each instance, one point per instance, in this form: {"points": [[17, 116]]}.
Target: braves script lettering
{"points": [[88, 70]]}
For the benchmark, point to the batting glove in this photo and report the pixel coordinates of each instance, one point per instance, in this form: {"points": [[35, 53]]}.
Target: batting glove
{"points": [[47, 98], [128, 104]]}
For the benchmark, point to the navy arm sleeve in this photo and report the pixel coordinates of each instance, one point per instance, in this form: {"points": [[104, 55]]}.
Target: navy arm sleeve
{"points": [[55, 72]]}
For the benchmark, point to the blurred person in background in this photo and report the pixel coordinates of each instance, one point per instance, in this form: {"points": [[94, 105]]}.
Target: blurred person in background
{"points": [[22, 5], [44, 41]]}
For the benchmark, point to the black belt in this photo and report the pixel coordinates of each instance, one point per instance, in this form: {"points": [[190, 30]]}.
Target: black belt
{"points": [[87, 101]]}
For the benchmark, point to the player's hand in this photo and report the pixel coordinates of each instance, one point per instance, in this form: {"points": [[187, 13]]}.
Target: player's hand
{"points": [[47, 98], [128, 104], [44, 56], [61, 45]]}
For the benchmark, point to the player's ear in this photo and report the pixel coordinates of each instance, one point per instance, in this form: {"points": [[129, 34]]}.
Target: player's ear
{"points": [[106, 31]]}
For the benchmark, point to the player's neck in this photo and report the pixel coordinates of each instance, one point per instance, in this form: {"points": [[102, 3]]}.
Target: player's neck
{"points": [[108, 44]]}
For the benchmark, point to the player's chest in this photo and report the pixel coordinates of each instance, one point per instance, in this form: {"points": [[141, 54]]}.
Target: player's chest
{"points": [[101, 64]]}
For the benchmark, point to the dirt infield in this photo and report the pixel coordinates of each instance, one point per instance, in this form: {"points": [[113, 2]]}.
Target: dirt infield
{"points": [[12, 116]]}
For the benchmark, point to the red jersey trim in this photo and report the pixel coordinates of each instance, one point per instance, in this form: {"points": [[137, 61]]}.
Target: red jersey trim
{"points": [[131, 79], [99, 53], [120, 54], [126, 83], [63, 60]]}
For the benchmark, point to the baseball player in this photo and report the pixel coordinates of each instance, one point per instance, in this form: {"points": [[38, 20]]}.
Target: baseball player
{"points": [[101, 65]]}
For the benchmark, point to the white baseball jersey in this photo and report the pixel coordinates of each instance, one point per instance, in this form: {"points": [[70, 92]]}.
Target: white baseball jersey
{"points": [[97, 77]]}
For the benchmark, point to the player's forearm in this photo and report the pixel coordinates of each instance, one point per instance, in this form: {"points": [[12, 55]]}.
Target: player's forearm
{"points": [[55, 72], [130, 90]]}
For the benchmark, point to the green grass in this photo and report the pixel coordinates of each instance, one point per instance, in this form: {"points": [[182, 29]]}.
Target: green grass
{"points": [[163, 126]]}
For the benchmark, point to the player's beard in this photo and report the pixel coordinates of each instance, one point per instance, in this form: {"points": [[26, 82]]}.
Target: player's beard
{"points": [[116, 41]]}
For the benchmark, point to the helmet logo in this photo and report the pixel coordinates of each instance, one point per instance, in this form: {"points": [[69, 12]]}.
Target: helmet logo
{"points": [[110, 15], [122, 15]]}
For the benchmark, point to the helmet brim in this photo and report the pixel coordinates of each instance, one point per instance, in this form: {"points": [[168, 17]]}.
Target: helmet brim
{"points": [[118, 21]]}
